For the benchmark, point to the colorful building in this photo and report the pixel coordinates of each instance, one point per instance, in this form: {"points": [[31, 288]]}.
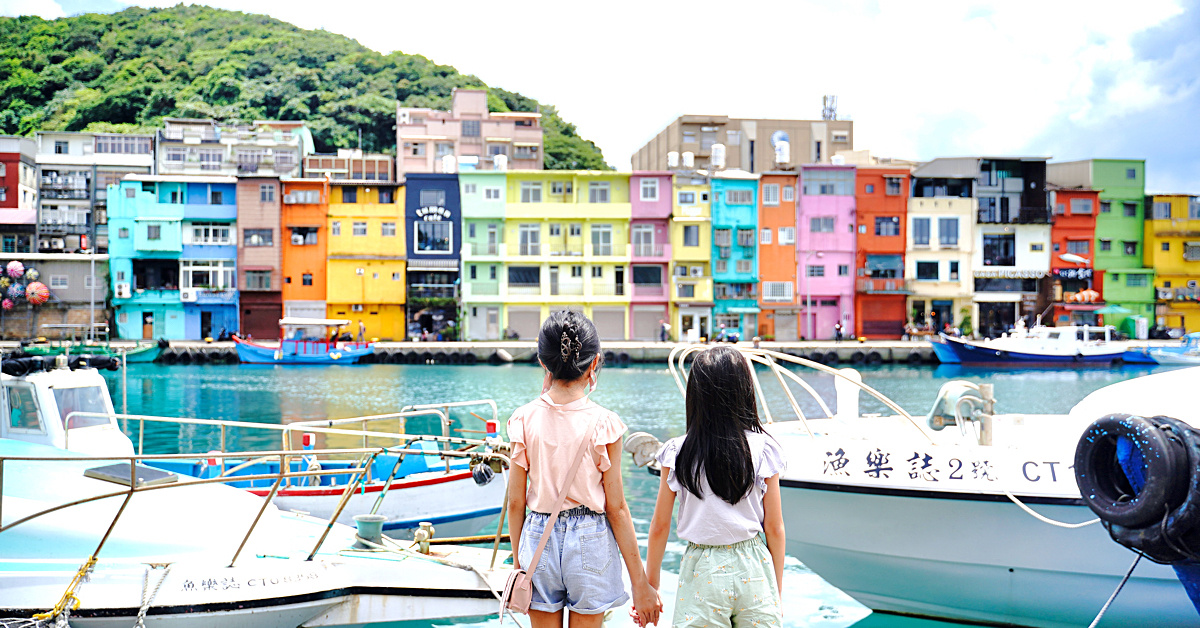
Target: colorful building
{"points": [[304, 248], [201, 146], [566, 236], [1120, 229], [433, 218], [650, 253], [691, 261], [735, 253], [939, 247], [19, 193], [777, 257], [365, 269], [208, 262], [1173, 250], [470, 132], [483, 195], [825, 250], [881, 291], [259, 255], [1073, 237]]}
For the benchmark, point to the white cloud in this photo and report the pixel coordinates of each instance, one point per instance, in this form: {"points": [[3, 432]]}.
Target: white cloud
{"points": [[46, 9]]}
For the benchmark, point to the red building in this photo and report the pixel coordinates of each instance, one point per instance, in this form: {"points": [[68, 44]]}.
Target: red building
{"points": [[881, 289], [777, 257], [1072, 276], [18, 194]]}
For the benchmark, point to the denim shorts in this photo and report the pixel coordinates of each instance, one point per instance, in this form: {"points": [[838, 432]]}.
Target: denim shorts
{"points": [[580, 569]]}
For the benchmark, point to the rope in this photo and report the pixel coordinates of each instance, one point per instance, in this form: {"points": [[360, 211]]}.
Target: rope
{"points": [[1120, 586], [69, 596], [147, 600], [1043, 519], [21, 622]]}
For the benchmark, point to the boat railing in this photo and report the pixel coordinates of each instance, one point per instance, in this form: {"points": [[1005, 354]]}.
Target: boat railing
{"points": [[848, 378], [365, 458]]}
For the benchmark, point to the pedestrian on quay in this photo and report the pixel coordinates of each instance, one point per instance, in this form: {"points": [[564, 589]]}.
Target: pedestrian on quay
{"points": [[725, 472], [562, 442], [362, 330], [664, 330], [837, 331]]}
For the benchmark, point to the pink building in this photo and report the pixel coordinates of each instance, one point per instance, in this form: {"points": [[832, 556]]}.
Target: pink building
{"points": [[825, 247], [650, 197], [469, 132]]}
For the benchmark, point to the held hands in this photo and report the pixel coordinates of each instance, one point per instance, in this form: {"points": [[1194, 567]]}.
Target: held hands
{"points": [[645, 597]]}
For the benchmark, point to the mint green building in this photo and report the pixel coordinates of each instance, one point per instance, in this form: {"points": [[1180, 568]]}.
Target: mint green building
{"points": [[1121, 276], [483, 196]]}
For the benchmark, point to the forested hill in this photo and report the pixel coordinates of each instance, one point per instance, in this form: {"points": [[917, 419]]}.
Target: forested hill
{"points": [[132, 68]]}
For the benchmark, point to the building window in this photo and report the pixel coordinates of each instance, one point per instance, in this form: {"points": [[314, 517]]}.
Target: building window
{"points": [[387, 196], [359, 228], [1060, 209], [122, 233], [396, 277], [210, 233], [1130, 247], [1162, 210], [433, 237], [304, 236], [687, 198], [598, 192], [1166, 246], [689, 137], [821, 224], [745, 237], [893, 186], [1106, 245], [433, 198], [1105, 207], [414, 149], [948, 232], [388, 229], [1130, 173], [927, 271], [722, 266], [869, 189], [1130, 210], [650, 190], [577, 271], [1079, 247], [349, 195], [953, 271], [787, 235], [1191, 251], [207, 274], [523, 151], [468, 188], [920, 231], [216, 197], [531, 192], [602, 238], [472, 271], [770, 194], [1135, 280], [598, 272], [843, 270], [789, 193], [470, 128], [258, 237], [306, 279], [491, 194], [815, 271], [575, 230], [555, 230], [1194, 208], [1081, 206], [58, 282], [999, 250], [765, 237], [153, 232], [722, 237], [777, 291], [266, 193], [62, 148], [258, 280], [1037, 247], [739, 197], [887, 226], [470, 230], [559, 188], [335, 228], [745, 266], [691, 235], [492, 272], [441, 149]]}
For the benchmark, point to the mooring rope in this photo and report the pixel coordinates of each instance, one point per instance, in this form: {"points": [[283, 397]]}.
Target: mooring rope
{"points": [[1120, 586], [1045, 519]]}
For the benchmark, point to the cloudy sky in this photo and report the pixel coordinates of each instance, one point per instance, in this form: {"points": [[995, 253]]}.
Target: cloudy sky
{"points": [[1065, 79]]}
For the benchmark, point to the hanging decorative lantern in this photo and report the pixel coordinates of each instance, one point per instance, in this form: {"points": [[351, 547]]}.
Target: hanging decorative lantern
{"points": [[16, 292], [16, 269], [5, 282], [31, 274], [7, 304], [37, 293]]}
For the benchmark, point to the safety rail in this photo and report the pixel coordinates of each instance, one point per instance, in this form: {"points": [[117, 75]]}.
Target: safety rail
{"points": [[771, 360]]}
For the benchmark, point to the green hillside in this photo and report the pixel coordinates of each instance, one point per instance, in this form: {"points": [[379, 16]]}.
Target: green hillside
{"points": [[130, 69]]}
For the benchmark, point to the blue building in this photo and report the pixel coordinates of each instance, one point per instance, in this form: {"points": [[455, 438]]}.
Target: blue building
{"points": [[735, 252], [433, 222], [173, 256]]}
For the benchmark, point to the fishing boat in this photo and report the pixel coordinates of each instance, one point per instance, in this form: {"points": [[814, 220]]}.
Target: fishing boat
{"points": [[140, 353], [962, 514], [295, 348], [1072, 345], [1187, 352]]}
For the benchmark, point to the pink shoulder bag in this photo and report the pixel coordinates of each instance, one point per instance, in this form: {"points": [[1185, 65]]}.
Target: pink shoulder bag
{"points": [[518, 591]]}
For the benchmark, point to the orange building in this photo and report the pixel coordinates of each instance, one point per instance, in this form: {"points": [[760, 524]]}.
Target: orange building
{"points": [[1073, 235], [881, 289], [777, 257], [305, 242]]}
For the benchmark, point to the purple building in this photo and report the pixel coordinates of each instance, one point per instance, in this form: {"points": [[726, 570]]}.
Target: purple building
{"points": [[825, 246], [650, 197]]}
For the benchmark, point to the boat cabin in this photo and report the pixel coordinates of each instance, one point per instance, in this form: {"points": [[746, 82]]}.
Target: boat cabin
{"points": [[42, 407]]}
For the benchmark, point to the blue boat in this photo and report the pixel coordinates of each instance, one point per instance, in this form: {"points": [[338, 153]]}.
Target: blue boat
{"points": [[301, 350], [1073, 345]]}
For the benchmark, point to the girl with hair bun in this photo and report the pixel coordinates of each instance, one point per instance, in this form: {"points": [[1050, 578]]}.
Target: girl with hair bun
{"points": [[578, 568]]}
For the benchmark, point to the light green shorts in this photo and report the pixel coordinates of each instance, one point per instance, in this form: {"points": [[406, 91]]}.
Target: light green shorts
{"points": [[727, 585]]}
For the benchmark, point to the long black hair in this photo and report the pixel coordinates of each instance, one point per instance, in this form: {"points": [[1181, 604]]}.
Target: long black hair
{"points": [[567, 345], [720, 410]]}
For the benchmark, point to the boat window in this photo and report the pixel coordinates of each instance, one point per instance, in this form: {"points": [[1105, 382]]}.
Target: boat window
{"points": [[23, 410], [1052, 335], [84, 399]]}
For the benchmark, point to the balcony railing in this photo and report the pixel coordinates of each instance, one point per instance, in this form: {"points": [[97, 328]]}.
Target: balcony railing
{"points": [[566, 251], [64, 183], [78, 195], [893, 285], [488, 289], [484, 248], [649, 289], [608, 250], [608, 290], [642, 249], [530, 249], [1020, 216], [430, 291], [525, 289], [566, 289]]}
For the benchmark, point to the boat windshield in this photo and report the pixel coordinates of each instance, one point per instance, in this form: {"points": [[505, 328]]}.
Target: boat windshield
{"points": [[83, 399]]}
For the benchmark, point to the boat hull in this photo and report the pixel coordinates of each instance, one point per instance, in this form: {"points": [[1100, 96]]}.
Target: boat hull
{"points": [[957, 351], [142, 354], [293, 352]]}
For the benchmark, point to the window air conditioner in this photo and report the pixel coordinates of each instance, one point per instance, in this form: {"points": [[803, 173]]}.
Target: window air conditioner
{"points": [[289, 198], [297, 239], [123, 291], [697, 271], [43, 244], [57, 243], [1165, 293], [187, 295]]}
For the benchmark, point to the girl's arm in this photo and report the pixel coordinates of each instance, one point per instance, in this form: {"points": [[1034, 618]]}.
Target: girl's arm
{"points": [[645, 598], [773, 528], [660, 529], [516, 508]]}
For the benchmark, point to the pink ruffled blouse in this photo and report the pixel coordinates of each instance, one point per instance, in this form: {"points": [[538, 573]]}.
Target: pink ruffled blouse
{"points": [[545, 435]]}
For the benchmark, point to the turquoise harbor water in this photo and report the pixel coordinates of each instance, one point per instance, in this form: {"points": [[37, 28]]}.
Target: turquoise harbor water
{"points": [[645, 397]]}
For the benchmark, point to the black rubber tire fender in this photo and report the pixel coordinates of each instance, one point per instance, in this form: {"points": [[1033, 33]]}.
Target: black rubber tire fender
{"points": [[1102, 483], [831, 358], [470, 358], [818, 357], [858, 358], [914, 358], [623, 359], [874, 358]]}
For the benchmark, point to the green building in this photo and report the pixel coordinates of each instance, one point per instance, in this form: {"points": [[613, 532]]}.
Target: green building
{"points": [[1121, 277]]}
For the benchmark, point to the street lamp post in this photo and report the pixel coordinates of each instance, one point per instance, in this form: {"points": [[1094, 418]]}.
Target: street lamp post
{"points": [[808, 320]]}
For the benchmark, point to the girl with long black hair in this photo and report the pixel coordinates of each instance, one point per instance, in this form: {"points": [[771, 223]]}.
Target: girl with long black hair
{"points": [[725, 472]]}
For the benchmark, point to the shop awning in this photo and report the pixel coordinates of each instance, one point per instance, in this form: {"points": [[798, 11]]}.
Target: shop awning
{"points": [[743, 310], [1083, 307], [433, 264]]}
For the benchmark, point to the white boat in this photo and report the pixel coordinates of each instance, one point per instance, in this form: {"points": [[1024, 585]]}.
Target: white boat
{"points": [[1187, 353], [912, 519], [1066, 346]]}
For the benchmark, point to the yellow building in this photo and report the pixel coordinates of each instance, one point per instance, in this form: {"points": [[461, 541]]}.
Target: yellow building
{"points": [[1172, 249], [566, 245], [691, 253], [365, 274]]}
